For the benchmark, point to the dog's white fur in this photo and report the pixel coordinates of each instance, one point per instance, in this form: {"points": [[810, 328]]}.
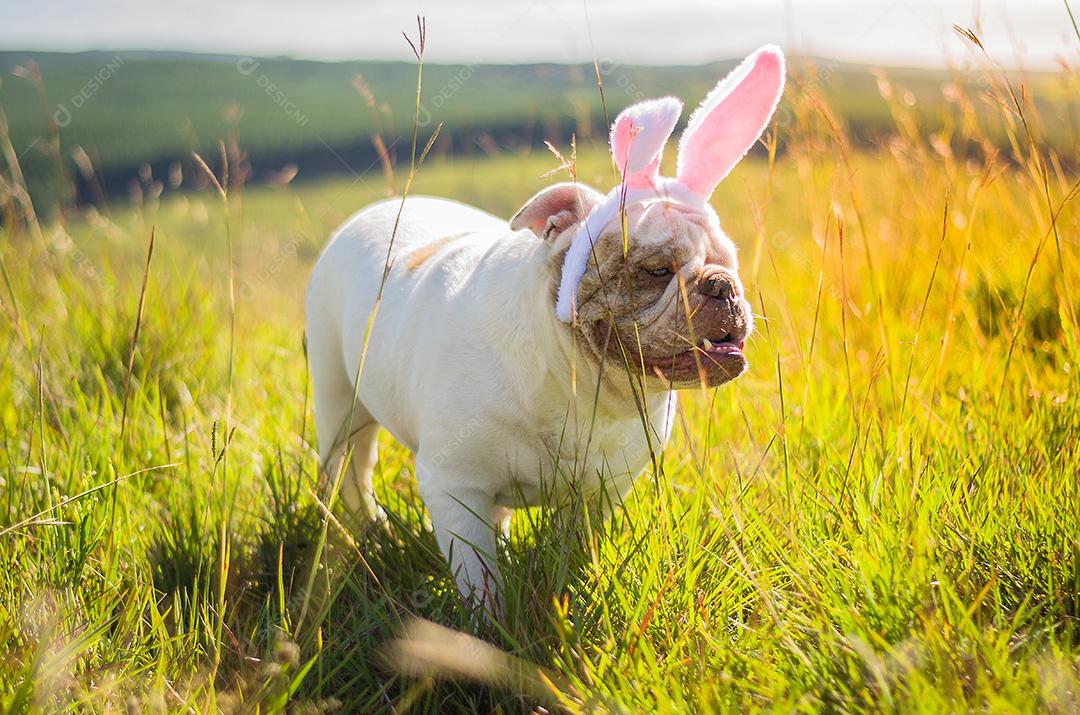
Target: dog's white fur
{"points": [[468, 366]]}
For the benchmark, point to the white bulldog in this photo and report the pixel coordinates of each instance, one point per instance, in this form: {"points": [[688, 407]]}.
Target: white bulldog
{"points": [[536, 358]]}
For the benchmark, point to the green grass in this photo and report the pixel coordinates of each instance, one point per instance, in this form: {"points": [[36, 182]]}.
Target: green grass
{"points": [[882, 515]]}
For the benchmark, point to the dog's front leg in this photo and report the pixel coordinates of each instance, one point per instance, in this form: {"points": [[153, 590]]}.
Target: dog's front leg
{"points": [[463, 520]]}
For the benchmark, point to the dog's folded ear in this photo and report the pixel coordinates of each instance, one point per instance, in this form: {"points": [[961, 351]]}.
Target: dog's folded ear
{"points": [[555, 209]]}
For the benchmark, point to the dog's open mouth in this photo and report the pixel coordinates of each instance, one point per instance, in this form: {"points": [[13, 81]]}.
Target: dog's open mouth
{"points": [[712, 361]]}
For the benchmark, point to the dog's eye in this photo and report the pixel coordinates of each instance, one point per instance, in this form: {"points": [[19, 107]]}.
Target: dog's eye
{"points": [[659, 272]]}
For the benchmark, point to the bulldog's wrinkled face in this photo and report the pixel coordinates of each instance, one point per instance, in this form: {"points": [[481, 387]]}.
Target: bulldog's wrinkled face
{"points": [[668, 303], [671, 302]]}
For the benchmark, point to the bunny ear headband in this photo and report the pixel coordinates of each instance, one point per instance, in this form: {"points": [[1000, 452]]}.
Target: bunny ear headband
{"points": [[721, 130]]}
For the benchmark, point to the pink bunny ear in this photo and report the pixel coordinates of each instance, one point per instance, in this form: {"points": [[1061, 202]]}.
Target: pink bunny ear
{"points": [[638, 136], [729, 120]]}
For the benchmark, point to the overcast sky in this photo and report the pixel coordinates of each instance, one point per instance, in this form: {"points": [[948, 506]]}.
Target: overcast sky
{"points": [[1031, 33]]}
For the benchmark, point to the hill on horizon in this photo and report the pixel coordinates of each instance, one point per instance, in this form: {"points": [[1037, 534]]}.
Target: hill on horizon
{"points": [[142, 113]]}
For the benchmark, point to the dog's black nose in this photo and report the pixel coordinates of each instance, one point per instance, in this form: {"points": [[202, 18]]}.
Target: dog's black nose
{"points": [[719, 284]]}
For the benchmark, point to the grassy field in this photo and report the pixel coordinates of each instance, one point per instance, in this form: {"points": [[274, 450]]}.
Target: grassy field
{"points": [[882, 515]]}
